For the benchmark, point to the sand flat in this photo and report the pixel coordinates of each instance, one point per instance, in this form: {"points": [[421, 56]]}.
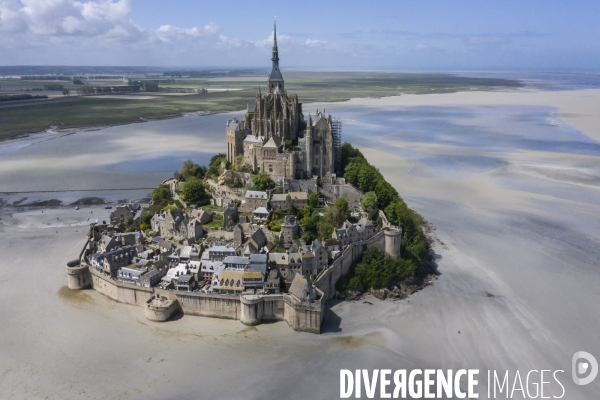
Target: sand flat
{"points": [[517, 222]]}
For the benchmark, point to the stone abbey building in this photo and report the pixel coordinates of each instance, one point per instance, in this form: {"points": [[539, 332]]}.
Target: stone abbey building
{"points": [[276, 118]]}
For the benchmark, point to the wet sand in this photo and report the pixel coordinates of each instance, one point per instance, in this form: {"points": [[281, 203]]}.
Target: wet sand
{"points": [[523, 228]]}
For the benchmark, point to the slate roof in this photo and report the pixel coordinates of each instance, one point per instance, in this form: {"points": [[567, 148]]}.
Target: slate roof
{"points": [[255, 194], [261, 210], [302, 289]]}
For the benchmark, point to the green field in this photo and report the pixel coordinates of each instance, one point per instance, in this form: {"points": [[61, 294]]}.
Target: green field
{"points": [[18, 117]]}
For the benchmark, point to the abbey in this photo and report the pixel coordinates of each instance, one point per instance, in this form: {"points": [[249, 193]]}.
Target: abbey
{"points": [[275, 138]]}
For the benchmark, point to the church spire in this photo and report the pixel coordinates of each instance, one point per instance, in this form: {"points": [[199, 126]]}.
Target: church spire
{"points": [[275, 57], [275, 78]]}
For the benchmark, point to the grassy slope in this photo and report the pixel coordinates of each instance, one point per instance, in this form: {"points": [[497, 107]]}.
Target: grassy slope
{"points": [[75, 111]]}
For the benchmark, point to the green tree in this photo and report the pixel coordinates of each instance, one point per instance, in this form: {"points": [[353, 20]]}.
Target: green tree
{"points": [[386, 193], [192, 189], [215, 168], [313, 199], [367, 177], [342, 205], [190, 168], [262, 181], [349, 152], [162, 192], [369, 201], [287, 144]]}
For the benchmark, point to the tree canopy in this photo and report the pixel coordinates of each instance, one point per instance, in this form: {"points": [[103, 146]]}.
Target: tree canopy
{"points": [[262, 181], [376, 271], [313, 199], [190, 168], [192, 189], [162, 192], [215, 168]]}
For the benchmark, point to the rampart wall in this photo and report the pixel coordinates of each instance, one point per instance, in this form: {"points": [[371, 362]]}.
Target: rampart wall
{"points": [[249, 309], [327, 279]]}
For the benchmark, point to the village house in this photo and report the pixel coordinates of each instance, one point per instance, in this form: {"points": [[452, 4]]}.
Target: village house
{"points": [[185, 283], [154, 275], [254, 199], [283, 201], [350, 233], [289, 229], [288, 264], [255, 243], [260, 215], [230, 215], [111, 261], [123, 212], [176, 224], [218, 253]]}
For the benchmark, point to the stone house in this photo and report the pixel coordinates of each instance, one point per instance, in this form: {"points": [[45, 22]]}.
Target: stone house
{"points": [[260, 215], [315, 257], [254, 199], [154, 275], [235, 262], [272, 282], [185, 283], [111, 261], [218, 253], [123, 212], [296, 199], [208, 269], [255, 243], [131, 273], [176, 224], [288, 264], [228, 281], [289, 229], [350, 233], [238, 235], [230, 215]]}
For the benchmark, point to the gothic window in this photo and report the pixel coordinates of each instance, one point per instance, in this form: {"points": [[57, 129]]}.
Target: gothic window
{"points": [[270, 167]]}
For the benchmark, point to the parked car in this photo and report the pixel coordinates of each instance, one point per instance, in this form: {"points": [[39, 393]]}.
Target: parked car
{"points": [[77, 208], [108, 207]]}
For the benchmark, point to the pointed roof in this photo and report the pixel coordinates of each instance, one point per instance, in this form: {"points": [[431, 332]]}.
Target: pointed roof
{"points": [[275, 75], [270, 143], [302, 289]]}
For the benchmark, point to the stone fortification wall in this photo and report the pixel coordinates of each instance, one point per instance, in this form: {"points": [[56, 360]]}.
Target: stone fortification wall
{"points": [[345, 190], [160, 309], [328, 278], [210, 305], [268, 308], [303, 316], [122, 292], [78, 275]]}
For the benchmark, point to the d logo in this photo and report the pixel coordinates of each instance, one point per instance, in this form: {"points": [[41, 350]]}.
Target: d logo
{"points": [[582, 363]]}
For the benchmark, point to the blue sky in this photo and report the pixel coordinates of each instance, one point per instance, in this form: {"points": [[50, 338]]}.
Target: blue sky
{"points": [[402, 35]]}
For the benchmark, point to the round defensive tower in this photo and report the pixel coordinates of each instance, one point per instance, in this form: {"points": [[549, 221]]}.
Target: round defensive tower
{"points": [[393, 240], [252, 310], [78, 276], [160, 309]]}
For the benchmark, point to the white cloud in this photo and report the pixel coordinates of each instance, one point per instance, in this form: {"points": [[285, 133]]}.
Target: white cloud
{"points": [[421, 46], [268, 42], [102, 32], [315, 42]]}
